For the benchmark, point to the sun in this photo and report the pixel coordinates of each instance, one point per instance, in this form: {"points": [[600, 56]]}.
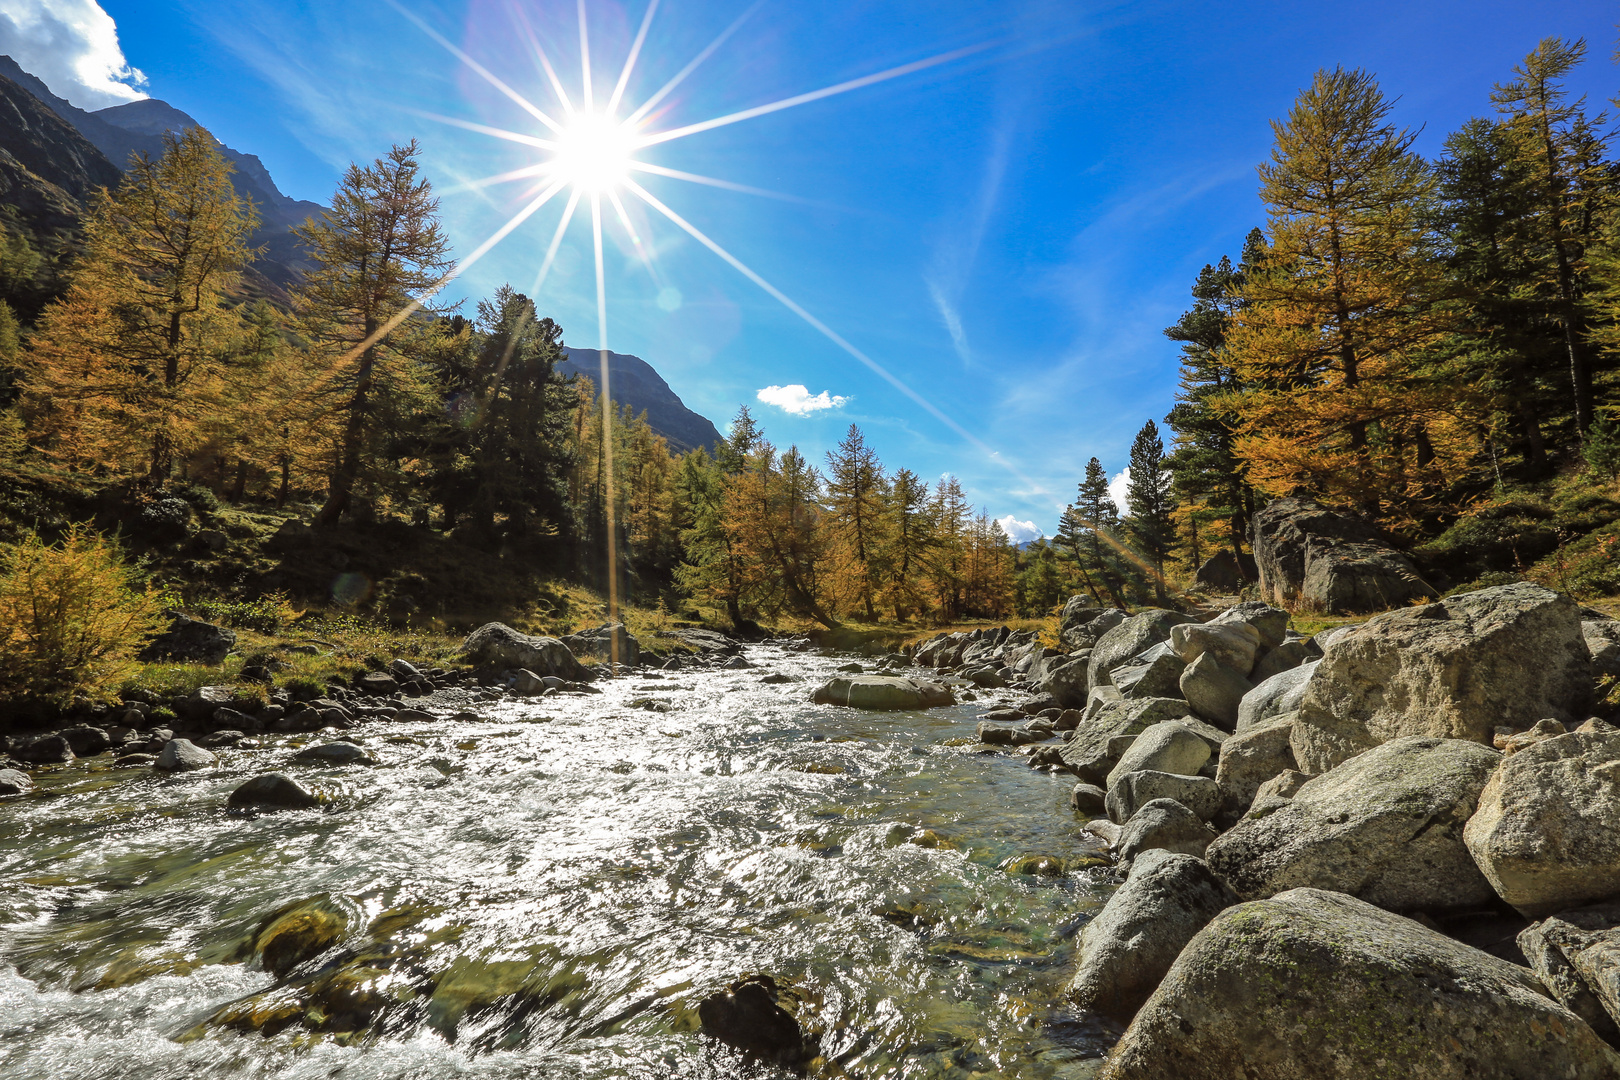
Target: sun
{"points": [[594, 152]]}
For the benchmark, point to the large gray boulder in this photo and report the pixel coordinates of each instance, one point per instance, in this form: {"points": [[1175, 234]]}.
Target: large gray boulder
{"points": [[1087, 752], [1163, 825], [881, 693], [1576, 954], [1386, 827], [1331, 560], [1455, 669], [1076, 634], [182, 755], [1134, 790], [1132, 942], [1290, 654], [1279, 694], [1077, 612], [1269, 622], [1214, 691], [1235, 645], [272, 791], [498, 645], [1319, 985], [1547, 831], [1167, 746], [1134, 636], [1250, 758], [1065, 679], [190, 641], [1603, 642], [610, 641], [1155, 673]]}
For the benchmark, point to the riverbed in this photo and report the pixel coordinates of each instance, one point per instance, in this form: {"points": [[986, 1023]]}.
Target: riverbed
{"points": [[548, 890]]}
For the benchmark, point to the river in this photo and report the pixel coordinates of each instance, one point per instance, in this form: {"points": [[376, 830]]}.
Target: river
{"points": [[547, 891]]}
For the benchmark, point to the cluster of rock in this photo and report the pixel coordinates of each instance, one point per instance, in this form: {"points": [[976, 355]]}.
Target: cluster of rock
{"points": [[1333, 849]]}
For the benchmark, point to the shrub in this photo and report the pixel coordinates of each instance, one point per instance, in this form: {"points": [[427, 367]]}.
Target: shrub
{"points": [[1602, 450], [72, 615], [267, 614]]}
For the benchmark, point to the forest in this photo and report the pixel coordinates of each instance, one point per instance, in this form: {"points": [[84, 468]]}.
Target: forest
{"points": [[1432, 343]]}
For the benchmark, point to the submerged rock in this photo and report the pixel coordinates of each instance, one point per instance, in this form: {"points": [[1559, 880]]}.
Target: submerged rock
{"points": [[334, 753], [748, 1016], [301, 932], [272, 791], [13, 782], [1322, 985]]}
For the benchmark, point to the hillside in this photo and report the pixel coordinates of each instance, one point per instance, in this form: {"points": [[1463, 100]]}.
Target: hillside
{"points": [[637, 385]]}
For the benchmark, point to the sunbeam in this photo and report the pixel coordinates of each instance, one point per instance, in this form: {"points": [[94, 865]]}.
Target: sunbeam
{"points": [[484, 73], [556, 242], [680, 76], [630, 61], [694, 178], [606, 395]]}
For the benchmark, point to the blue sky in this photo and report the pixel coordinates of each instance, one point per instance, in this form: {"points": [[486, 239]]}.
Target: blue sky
{"points": [[1005, 234]]}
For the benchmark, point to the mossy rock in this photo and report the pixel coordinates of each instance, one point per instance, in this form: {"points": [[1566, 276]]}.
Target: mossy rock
{"points": [[297, 933], [1035, 865]]}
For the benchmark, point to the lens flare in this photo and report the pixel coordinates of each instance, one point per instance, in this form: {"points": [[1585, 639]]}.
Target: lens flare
{"points": [[594, 152]]}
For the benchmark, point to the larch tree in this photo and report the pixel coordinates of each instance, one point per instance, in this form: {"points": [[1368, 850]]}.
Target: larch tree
{"points": [[379, 254], [1333, 334], [1147, 494], [126, 367], [855, 487], [910, 539]]}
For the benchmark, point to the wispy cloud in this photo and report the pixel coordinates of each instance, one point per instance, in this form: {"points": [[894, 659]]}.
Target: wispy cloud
{"points": [[797, 400], [72, 46], [953, 260]]}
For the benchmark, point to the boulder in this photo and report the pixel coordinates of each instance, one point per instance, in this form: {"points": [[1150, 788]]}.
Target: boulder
{"points": [[1603, 642], [1077, 612], [376, 684], [498, 645], [1132, 637], [1134, 790], [182, 755], [1233, 645], [190, 641], [203, 702], [1277, 792], [334, 753], [1322, 985], [1576, 955], [86, 741], [1290, 654], [1455, 669], [1087, 755], [1279, 694], [1005, 735], [748, 1016], [1155, 673], [1163, 825], [1222, 571], [45, 750], [1214, 691], [1331, 560], [1269, 622], [1386, 826], [1087, 798], [881, 692], [1134, 940], [1085, 635], [13, 782], [1547, 831], [272, 791], [1165, 747], [1066, 680], [610, 641], [1250, 758]]}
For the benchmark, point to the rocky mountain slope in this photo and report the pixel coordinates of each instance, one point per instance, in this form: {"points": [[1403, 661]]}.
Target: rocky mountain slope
{"points": [[636, 384], [47, 168]]}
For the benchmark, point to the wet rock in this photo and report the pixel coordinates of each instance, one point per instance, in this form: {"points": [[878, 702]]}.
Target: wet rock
{"points": [[132, 760], [45, 750], [748, 1016], [1168, 747], [1131, 637], [1386, 827], [334, 753], [1133, 790], [736, 663], [1547, 831], [1281, 989], [778, 678], [1088, 799], [1155, 673], [182, 755], [1034, 865], [1576, 954], [1279, 694], [1214, 691], [1000, 735], [272, 791], [190, 641], [881, 692], [290, 937], [1250, 758], [1126, 950], [498, 645], [1163, 824], [13, 782], [1454, 669], [1331, 559], [86, 741]]}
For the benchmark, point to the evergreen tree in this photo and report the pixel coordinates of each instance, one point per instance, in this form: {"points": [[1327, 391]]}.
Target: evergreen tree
{"points": [[910, 540], [1148, 496], [1098, 515], [379, 253], [855, 498]]}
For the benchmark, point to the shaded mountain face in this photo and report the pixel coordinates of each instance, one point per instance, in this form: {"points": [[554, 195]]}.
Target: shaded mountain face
{"points": [[47, 169], [635, 383], [138, 128]]}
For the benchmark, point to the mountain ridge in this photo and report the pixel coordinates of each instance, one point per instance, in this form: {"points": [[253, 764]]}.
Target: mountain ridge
{"points": [[636, 383]]}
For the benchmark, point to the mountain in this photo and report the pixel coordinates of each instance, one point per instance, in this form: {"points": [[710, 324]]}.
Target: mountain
{"points": [[139, 126], [47, 169], [636, 384]]}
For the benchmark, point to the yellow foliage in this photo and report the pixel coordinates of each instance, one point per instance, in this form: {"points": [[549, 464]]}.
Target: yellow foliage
{"points": [[72, 615]]}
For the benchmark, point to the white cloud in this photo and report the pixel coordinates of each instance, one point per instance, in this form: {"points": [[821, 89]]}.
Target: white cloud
{"points": [[1019, 532], [798, 400], [1116, 490], [72, 46]]}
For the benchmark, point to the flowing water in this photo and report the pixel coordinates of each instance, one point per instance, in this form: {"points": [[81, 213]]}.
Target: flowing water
{"points": [[549, 890]]}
